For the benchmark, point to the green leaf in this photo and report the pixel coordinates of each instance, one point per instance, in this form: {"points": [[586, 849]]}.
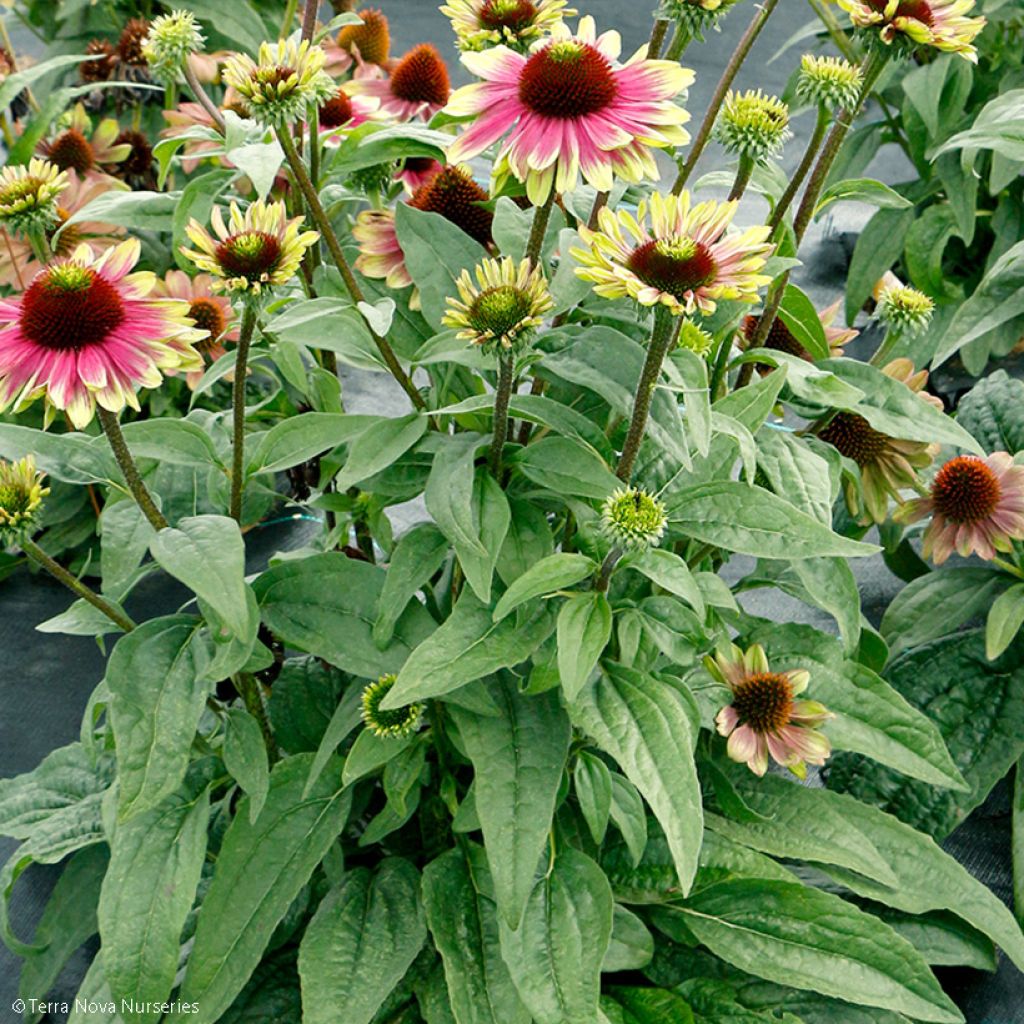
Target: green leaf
{"points": [[364, 937], [993, 411], [593, 784], [417, 556], [245, 756], [14, 84], [370, 753], [1005, 618], [126, 534], [796, 472], [878, 248], [1017, 841], [566, 467], [891, 407], [669, 571], [174, 442], [327, 605], [261, 868], [872, 718], [584, 629], [240, 24], [300, 438], [629, 816], [648, 727], [71, 458], [632, 945], [449, 493], [978, 707], [156, 700], [861, 190], [467, 646], [347, 716], [943, 939], [436, 252], [464, 923], [491, 519], [518, 759], [330, 323], [753, 521], [556, 954], [378, 446], [155, 865], [808, 939], [999, 126], [556, 572], [800, 315], [304, 701], [831, 584], [141, 211], [207, 554], [636, 1005]]}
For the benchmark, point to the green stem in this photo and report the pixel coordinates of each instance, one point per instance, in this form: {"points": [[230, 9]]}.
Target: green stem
{"points": [[661, 340], [40, 245], [132, 477], [502, 398], [725, 82], [58, 572], [238, 410], [658, 32], [800, 175], [291, 8], [721, 366], [323, 223], [604, 574], [541, 218], [680, 41], [742, 179], [884, 350], [248, 686]]}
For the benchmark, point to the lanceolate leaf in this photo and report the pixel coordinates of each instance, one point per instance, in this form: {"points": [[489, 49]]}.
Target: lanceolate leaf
{"points": [[808, 939], [417, 556], [552, 573], [584, 628], [260, 869], [646, 725], [518, 760], [362, 940], [556, 954]]}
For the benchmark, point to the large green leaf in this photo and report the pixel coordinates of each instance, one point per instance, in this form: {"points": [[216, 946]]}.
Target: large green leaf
{"points": [[553, 573], [261, 868], [468, 646], [993, 411], [245, 756], [518, 760], [808, 939], [299, 438], [566, 467], [978, 707], [155, 865], [378, 446], [464, 923], [555, 956], [364, 937], [753, 521], [584, 629], [327, 605], [648, 727], [156, 700], [878, 248]]}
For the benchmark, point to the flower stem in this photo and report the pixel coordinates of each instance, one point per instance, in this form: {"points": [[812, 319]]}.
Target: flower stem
{"points": [[604, 574], [541, 218], [289, 17], [202, 96], [661, 340], [309, 19], [58, 572], [502, 398], [884, 350], [132, 477], [238, 410], [680, 41], [742, 179], [600, 202], [721, 366], [323, 222], [658, 32], [800, 174], [249, 688], [725, 82]]}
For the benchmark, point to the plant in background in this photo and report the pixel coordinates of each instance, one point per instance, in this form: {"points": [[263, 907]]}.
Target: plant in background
{"points": [[494, 732]]}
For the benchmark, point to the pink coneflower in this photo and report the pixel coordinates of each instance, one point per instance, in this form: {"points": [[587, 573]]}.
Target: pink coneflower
{"points": [[417, 171], [764, 718], [781, 338], [369, 43], [976, 505], [570, 108], [418, 85], [86, 332], [209, 312], [80, 149], [453, 193], [380, 255], [342, 113], [674, 254]]}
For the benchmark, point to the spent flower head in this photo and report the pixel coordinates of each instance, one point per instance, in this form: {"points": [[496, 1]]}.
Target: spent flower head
{"points": [[633, 518], [172, 39], [752, 124], [517, 24], [28, 196], [830, 82], [21, 494], [391, 724], [277, 88], [503, 307], [904, 309]]}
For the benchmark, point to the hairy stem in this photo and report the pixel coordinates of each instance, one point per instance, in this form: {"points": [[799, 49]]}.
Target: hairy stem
{"points": [[58, 572], [661, 340], [309, 19], [238, 410], [132, 477], [742, 179], [800, 174], [541, 219], [248, 686], [658, 32], [202, 97], [327, 232], [724, 84], [502, 398]]}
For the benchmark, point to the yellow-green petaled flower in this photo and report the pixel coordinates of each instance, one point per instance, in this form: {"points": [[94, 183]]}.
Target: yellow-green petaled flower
{"points": [[389, 724], [21, 494], [255, 250], [28, 195], [287, 77], [171, 40], [503, 307], [518, 24], [752, 125], [942, 24], [695, 16], [633, 518], [830, 82], [694, 338], [905, 309]]}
